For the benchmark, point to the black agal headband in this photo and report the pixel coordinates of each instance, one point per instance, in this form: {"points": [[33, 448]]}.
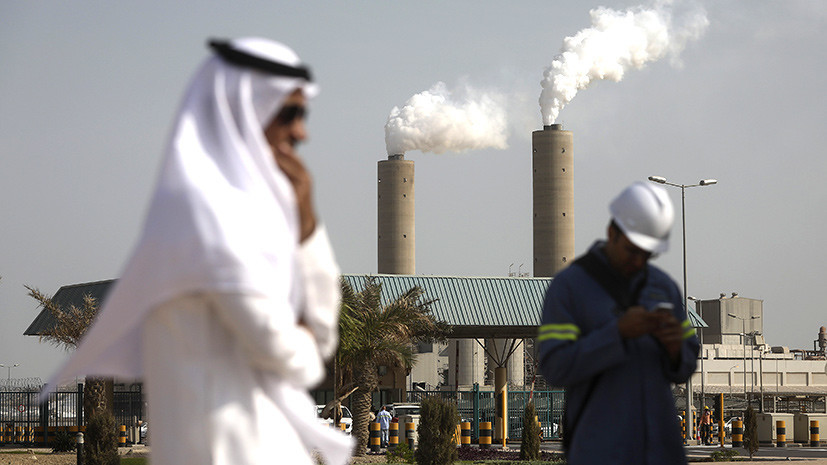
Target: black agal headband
{"points": [[244, 59]]}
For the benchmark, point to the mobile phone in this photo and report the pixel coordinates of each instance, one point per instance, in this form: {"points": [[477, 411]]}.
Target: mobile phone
{"points": [[664, 307]]}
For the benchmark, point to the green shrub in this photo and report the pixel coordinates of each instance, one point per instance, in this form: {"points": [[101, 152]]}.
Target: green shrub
{"points": [[64, 442], [750, 431], [725, 455], [101, 441], [437, 426], [530, 445], [402, 453]]}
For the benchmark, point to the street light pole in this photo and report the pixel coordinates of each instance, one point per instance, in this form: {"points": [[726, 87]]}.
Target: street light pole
{"points": [[683, 187], [701, 340], [744, 336], [761, 375], [9, 367]]}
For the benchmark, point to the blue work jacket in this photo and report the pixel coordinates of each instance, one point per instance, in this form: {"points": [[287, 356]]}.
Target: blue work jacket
{"points": [[630, 416]]}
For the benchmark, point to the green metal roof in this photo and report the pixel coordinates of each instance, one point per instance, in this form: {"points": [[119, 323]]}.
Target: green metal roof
{"points": [[475, 307], [65, 297]]}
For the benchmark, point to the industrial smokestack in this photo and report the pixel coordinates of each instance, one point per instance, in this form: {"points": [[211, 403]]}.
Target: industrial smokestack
{"points": [[553, 181], [396, 226]]}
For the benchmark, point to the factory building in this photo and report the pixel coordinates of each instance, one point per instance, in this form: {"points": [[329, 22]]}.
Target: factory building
{"points": [[736, 360]]}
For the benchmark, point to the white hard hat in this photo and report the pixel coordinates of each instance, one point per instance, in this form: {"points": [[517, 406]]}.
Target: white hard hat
{"points": [[645, 214]]}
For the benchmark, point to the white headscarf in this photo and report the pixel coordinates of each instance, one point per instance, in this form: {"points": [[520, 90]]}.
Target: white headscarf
{"points": [[223, 216]]}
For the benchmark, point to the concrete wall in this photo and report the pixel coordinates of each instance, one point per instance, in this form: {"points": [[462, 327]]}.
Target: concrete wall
{"points": [[429, 365], [470, 357], [778, 374], [724, 329]]}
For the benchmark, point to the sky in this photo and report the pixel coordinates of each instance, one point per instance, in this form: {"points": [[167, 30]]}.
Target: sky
{"points": [[88, 90]]}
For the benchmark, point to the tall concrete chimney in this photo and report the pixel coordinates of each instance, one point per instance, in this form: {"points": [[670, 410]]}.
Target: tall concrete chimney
{"points": [[397, 240], [553, 179]]}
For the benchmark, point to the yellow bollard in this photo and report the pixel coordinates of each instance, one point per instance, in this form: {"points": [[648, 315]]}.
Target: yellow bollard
{"points": [[780, 433], [393, 436], [814, 439], [122, 436], [465, 434], [737, 433], [485, 435], [375, 437], [410, 432]]}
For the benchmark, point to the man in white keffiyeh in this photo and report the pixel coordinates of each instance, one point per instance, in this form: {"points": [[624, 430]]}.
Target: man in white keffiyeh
{"points": [[228, 307]]}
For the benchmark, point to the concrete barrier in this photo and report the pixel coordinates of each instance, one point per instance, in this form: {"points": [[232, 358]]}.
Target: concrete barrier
{"points": [[737, 433], [486, 434], [465, 434], [410, 435], [780, 433], [375, 437], [393, 436]]}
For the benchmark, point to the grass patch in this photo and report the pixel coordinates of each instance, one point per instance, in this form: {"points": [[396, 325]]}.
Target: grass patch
{"points": [[133, 461]]}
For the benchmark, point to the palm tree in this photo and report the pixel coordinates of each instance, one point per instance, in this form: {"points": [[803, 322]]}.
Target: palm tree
{"points": [[100, 445], [372, 335]]}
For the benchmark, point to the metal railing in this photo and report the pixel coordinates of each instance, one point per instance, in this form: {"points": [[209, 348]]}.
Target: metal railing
{"points": [[476, 406], [24, 421]]}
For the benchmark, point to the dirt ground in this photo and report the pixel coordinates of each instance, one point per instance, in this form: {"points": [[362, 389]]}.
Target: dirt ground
{"points": [[45, 458]]}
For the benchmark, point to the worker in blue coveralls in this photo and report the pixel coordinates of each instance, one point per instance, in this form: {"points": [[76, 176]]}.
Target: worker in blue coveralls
{"points": [[615, 335], [384, 419]]}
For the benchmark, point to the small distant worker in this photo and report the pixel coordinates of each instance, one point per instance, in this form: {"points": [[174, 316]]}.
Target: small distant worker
{"points": [[614, 333], [706, 426], [384, 419], [228, 306]]}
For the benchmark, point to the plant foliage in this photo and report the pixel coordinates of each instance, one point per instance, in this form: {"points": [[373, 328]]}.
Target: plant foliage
{"points": [[401, 454], [750, 431], [372, 334], [100, 441], [726, 455], [530, 445], [437, 428], [99, 450], [64, 442]]}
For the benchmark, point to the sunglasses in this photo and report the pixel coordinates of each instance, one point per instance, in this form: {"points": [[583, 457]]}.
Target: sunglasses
{"points": [[291, 113]]}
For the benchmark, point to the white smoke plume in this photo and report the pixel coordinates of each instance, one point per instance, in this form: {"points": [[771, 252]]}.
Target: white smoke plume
{"points": [[615, 42], [439, 120]]}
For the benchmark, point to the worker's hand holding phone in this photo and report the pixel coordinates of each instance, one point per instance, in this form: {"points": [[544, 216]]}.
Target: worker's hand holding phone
{"points": [[669, 331]]}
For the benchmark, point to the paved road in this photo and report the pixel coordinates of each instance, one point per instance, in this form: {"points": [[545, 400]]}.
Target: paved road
{"points": [[814, 455]]}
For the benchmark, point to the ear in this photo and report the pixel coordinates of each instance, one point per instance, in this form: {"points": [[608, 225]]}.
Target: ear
{"points": [[611, 233]]}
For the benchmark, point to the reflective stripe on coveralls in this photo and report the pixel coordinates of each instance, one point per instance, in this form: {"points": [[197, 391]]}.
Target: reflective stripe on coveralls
{"points": [[563, 331]]}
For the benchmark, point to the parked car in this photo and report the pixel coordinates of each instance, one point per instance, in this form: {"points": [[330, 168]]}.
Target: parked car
{"points": [[727, 427], [404, 413], [347, 418]]}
